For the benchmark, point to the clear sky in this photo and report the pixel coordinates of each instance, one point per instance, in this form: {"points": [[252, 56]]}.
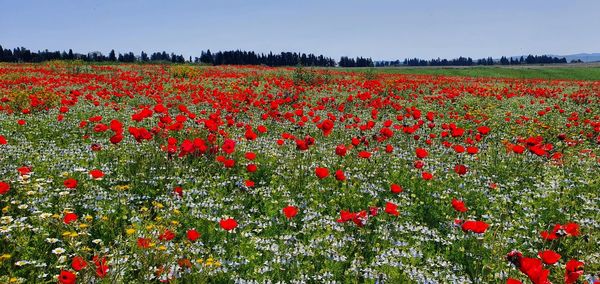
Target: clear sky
{"points": [[377, 29]]}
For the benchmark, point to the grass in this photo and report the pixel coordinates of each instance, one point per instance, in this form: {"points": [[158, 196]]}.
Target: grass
{"points": [[590, 73]]}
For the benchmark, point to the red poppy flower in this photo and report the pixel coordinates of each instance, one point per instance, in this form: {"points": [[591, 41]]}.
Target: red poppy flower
{"points": [[345, 216], [484, 130], [573, 270], [418, 164], [386, 132], [421, 153], [67, 277], [69, 218], [457, 132], [100, 127], [96, 174], [116, 139], [228, 146], [513, 281], [4, 187], [229, 163], [192, 235], [178, 190], [250, 135], [391, 209], [571, 229], [251, 168], [290, 211], [167, 235], [460, 169], [389, 148], [364, 154], [326, 127], [458, 148], [321, 172], [70, 183], [360, 218], [24, 170], [96, 118], [101, 267], [549, 236], [96, 147], [459, 205], [532, 267], [549, 257], [426, 175], [143, 242], [249, 183], [78, 263], [539, 151], [301, 145], [518, 149], [339, 175], [250, 156], [373, 210], [394, 188], [478, 227], [472, 150], [228, 224], [2, 140], [116, 126]]}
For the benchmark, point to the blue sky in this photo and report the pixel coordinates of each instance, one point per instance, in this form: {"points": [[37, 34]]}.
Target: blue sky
{"points": [[377, 29]]}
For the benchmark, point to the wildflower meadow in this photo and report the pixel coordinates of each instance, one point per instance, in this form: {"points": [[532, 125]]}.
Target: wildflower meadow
{"points": [[137, 173]]}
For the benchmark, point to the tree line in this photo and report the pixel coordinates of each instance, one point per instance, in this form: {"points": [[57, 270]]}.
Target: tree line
{"points": [[235, 57], [21, 54], [358, 62], [239, 57], [468, 61]]}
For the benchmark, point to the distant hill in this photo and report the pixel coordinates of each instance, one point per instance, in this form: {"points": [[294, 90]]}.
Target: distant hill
{"points": [[585, 57]]}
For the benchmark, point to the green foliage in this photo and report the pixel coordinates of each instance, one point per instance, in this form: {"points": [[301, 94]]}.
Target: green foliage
{"points": [[304, 76]]}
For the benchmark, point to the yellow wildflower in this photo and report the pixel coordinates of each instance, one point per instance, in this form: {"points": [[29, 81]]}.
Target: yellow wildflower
{"points": [[5, 256], [158, 204]]}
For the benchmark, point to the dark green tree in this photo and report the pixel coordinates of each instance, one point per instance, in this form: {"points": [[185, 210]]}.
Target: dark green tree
{"points": [[112, 56]]}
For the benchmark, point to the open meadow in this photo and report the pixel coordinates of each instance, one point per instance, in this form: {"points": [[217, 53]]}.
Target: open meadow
{"points": [[136, 173]]}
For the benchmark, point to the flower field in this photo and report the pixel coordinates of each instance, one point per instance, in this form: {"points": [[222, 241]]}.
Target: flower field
{"points": [[180, 174]]}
